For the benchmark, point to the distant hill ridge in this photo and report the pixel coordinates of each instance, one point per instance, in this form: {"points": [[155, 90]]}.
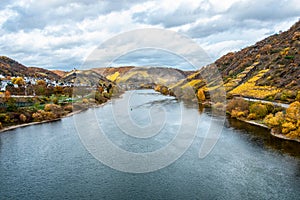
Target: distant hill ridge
{"points": [[10, 67], [269, 69]]}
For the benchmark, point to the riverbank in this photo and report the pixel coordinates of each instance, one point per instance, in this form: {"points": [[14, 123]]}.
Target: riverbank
{"points": [[283, 136], [81, 108], [8, 128], [248, 99], [272, 132], [41, 122], [256, 124], [27, 124]]}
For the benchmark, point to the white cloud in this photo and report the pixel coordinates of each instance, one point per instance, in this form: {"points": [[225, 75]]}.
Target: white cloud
{"points": [[6, 14], [221, 6], [58, 34]]}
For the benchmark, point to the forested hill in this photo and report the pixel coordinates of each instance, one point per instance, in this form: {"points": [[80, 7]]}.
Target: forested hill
{"points": [[279, 54], [10, 67], [269, 69]]}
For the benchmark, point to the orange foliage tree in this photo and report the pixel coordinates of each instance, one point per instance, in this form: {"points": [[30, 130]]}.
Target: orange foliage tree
{"points": [[41, 82], [201, 95], [7, 94]]}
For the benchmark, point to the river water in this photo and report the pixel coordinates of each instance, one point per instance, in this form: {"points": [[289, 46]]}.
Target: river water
{"points": [[49, 161]]}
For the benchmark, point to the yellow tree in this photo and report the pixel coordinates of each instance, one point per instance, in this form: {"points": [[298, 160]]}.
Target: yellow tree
{"points": [[274, 121], [201, 95], [157, 88], [18, 80], [164, 90], [41, 82], [293, 112]]}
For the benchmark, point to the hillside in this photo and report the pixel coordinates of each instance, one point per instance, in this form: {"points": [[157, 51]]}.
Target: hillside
{"points": [[10, 67], [270, 66], [269, 69], [42, 73], [112, 70], [85, 77], [60, 73], [136, 77]]}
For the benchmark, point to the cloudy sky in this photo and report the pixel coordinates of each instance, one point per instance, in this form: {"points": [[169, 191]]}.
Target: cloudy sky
{"points": [[57, 34]]}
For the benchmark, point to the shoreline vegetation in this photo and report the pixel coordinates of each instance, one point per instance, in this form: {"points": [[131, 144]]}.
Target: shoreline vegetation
{"points": [[70, 114], [13, 127], [272, 131], [282, 121], [22, 111], [268, 115]]}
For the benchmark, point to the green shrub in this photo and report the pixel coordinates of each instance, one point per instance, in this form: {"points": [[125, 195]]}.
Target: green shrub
{"points": [[270, 107], [260, 110], [55, 100], [6, 118], [274, 51], [164, 90], [290, 94], [270, 98], [289, 57], [99, 98], [11, 105], [2, 117], [283, 97], [106, 95]]}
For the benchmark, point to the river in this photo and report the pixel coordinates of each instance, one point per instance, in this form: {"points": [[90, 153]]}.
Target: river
{"points": [[49, 161]]}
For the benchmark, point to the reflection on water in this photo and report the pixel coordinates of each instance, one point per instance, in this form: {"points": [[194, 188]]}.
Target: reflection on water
{"points": [[200, 108], [262, 138], [156, 102]]}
